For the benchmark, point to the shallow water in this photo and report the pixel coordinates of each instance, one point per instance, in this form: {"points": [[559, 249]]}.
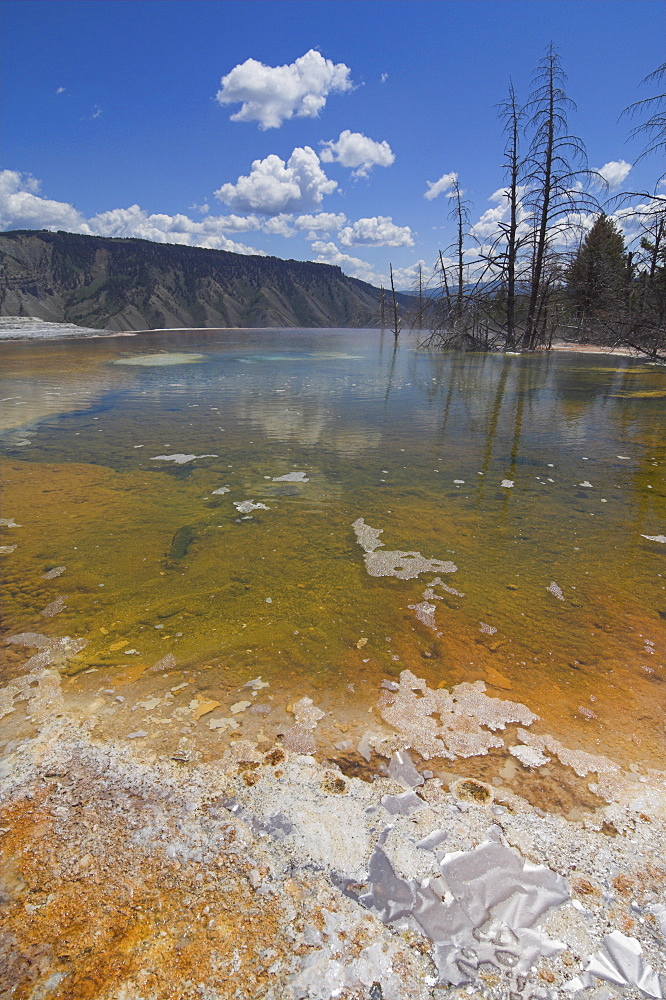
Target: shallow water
{"points": [[159, 561]]}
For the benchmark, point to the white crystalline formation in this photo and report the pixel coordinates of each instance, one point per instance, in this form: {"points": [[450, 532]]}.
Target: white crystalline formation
{"points": [[179, 459], [160, 360], [430, 595], [51, 650], [245, 506], [529, 756], [426, 614], [582, 762], [292, 477], [403, 565], [490, 913], [299, 738], [619, 961], [450, 724]]}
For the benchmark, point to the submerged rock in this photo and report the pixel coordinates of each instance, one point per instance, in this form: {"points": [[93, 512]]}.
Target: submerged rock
{"points": [[181, 542], [52, 574], [55, 607]]}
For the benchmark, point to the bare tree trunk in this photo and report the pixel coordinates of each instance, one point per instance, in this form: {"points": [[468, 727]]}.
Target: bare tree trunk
{"points": [[396, 322], [446, 283], [544, 211], [556, 165], [513, 115], [460, 221], [420, 298], [656, 250]]}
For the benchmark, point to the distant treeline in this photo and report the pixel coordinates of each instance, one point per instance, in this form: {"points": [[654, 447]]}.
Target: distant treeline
{"points": [[553, 262]]}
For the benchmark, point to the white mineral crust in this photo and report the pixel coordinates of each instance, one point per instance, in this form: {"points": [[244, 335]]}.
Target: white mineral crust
{"points": [[292, 477], [179, 459], [403, 565]]}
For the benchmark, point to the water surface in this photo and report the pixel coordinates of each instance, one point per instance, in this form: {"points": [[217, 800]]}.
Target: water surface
{"points": [[560, 602]]}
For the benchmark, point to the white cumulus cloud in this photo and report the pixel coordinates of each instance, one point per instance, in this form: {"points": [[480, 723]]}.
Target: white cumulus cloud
{"points": [[493, 222], [353, 149], [322, 222], [274, 186], [161, 228], [442, 186], [380, 230], [271, 94], [21, 207], [328, 253], [279, 225], [407, 278], [615, 172], [240, 223]]}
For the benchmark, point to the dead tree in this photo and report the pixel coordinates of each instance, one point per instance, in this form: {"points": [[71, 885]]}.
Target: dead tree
{"points": [[555, 164], [512, 115], [654, 128], [460, 216], [418, 316], [457, 321], [396, 318]]}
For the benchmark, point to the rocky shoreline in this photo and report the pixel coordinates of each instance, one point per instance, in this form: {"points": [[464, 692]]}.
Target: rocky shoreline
{"points": [[271, 873], [13, 328]]}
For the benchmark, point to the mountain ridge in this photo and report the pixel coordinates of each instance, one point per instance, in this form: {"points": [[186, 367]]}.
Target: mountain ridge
{"points": [[117, 284]]}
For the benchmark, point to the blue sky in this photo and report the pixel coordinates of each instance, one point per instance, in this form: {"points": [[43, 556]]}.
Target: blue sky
{"points": [[111, 122]]}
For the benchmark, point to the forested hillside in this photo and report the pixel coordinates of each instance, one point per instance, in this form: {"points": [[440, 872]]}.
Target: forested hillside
{"points": [[132, 284]]}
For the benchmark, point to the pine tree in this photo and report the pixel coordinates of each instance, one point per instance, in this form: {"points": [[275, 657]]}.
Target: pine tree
{"points": [[598, 279]]}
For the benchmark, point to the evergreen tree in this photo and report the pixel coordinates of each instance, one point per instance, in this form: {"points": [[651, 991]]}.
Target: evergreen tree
{"points": [[598, 279]]}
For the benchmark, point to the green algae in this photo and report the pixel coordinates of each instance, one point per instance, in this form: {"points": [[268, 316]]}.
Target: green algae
{"points": [[181, 542]]}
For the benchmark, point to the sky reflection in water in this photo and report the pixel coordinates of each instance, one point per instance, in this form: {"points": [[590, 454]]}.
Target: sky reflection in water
{"points": [[418, 445]]}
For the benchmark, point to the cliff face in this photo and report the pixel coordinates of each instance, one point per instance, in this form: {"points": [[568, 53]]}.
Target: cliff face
{"points": [[118, 284]]}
